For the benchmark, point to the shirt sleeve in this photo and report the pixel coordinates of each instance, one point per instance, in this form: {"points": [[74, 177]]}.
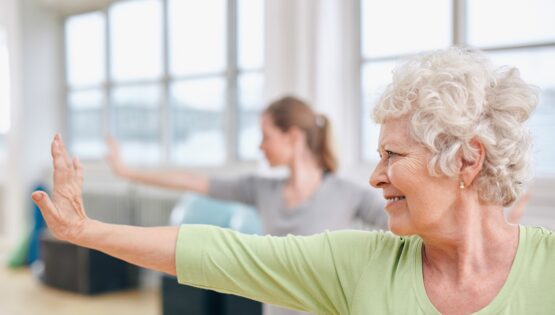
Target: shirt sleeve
{"points": [[371, 210], [240, 189], [298, 272]]}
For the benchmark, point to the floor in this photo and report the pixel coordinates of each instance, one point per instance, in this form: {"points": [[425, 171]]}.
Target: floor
{"points": [[21, 294]]}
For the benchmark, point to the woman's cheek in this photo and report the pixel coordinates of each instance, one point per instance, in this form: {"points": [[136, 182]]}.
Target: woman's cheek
{"points": [[396, 172], [407, 169]]}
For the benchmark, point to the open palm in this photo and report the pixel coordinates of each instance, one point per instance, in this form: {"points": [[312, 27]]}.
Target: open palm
{"points": [[65, 213], [113, 157]]}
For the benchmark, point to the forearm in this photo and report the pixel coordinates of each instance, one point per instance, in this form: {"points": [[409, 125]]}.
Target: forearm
{"points": [[182, 180], [148, 247]]}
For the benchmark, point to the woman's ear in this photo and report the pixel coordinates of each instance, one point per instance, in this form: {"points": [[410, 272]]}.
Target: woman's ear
{"points": [[471, 168], [297, 137]]}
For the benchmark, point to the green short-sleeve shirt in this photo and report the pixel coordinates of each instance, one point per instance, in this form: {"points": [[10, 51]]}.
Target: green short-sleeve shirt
{"points": [[349, 272]]}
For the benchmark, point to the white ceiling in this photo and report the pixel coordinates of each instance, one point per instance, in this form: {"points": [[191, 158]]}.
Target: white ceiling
{"points": [[75, 6]]}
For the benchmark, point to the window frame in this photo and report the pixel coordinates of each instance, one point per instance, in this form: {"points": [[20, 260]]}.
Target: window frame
{"points": [[459, 38], [231, 75]]}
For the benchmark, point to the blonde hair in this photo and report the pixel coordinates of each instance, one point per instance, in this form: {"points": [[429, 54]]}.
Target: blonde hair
{"points": [[455, 95]]}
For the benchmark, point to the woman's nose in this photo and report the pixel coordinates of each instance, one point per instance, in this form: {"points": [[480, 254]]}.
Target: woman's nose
{"points": [[379, 176]]}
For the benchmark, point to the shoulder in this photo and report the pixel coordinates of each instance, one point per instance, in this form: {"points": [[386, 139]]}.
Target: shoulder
{"points": [[244, 183], [538, 248], [371, 254], [267, 183], [261, 181], [371, 242], [337, 182], [536, 259], [354, 192], [540, 236]]}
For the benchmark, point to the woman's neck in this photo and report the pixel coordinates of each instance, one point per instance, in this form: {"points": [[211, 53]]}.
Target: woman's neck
{"points": [[305, 178], [474, 240], [466, 268], [305, 172]]}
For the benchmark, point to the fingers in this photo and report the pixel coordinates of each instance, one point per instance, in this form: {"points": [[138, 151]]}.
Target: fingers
{"points": [[64, 152], [517, 211], [78, 170], [62, 169], [46, 206], [113, 148], [112, 143], [523, 201], [61, 224], [57, 158], [59, 154], [66, 170], [113, 157]]}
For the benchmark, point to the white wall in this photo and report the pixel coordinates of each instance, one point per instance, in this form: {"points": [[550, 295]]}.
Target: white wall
{"points": [[9, 18], [34, 44], [312, 52]]}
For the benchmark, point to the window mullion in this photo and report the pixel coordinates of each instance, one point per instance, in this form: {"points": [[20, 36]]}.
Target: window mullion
{"points": [[459, 23], [67, 90], [358, 152], [108, 122], [231, 111], [166, 123]]}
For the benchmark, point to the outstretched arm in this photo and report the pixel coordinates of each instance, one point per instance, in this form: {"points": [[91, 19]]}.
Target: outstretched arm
{"points": [[65, 215], [296, 272], [180, 180]]}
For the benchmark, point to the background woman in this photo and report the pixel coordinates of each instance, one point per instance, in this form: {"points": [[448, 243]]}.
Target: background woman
{"points": [[312, 199]]}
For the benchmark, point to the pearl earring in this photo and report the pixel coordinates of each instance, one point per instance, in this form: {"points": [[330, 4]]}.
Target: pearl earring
{"points": [[461, 184]]}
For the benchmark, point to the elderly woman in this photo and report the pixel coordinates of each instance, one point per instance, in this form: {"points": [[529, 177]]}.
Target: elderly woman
{"points": [[454, 151]]}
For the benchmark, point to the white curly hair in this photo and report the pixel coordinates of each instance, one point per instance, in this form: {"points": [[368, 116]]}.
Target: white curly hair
{"points": [[455, 95]]}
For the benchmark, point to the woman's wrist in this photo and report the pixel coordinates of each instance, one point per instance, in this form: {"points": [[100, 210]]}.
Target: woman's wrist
{"points": [[87, 232], [125, 173]]}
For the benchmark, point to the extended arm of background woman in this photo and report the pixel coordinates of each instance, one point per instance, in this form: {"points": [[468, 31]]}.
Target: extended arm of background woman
{"points": [[179, 180]]}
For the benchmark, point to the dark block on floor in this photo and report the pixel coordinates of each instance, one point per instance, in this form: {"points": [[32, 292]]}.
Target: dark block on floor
{"points": [[236, 305], [185, 300], [181, 299], [73, 268]]}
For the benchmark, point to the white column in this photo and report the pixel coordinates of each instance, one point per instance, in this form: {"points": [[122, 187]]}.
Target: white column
{"points": [[35, 48], [337, 74]]}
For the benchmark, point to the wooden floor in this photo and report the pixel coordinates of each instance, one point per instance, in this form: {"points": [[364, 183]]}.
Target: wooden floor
{"points": [[21, 294]]}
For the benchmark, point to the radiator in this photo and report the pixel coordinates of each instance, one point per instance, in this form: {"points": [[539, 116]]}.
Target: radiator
{"points": [[133, 206]]}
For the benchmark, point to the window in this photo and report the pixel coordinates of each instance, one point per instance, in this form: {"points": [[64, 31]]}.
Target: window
{"points": [[528, 45], [176, 82], [388, 34], [85, 76]]}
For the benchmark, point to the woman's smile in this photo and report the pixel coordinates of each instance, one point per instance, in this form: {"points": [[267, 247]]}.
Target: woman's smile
{"points": [[392, 201]]}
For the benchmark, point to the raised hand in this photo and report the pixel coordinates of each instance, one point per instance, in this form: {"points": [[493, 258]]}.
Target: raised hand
{"points": [[64, 214], [113, 157]]}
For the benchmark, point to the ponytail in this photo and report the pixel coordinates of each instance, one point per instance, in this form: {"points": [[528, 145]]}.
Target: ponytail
{"points": [[290, 112]]}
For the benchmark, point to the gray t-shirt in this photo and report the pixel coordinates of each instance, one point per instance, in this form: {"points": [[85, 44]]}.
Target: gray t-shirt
{"points": [[335, 205]]}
